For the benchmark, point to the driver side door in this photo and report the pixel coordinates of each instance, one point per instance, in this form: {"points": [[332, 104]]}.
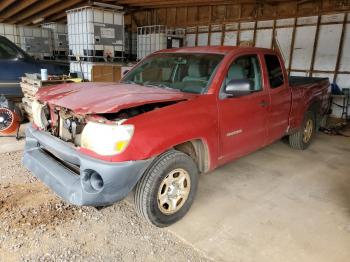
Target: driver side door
{"points": [[243, 119]]}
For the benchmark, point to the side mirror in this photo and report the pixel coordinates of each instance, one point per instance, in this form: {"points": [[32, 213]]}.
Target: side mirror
{"points": [[239, 87]]}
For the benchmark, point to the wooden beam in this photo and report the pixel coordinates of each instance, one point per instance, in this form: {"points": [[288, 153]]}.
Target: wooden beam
{"points": [[340, 49], [274, 38], [60, 15], [254, 33], [209, 26], [55, 9], [42, 5], [16, 8], [314, 49], [56, 17], [291, 51], [5, 3], [178, 3]]}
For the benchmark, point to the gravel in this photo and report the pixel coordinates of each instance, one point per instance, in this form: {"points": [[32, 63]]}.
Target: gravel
{"points": [[35, 225]]}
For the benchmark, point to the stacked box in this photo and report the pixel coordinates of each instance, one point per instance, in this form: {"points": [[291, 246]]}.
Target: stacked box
{"points": [[36, 41], [95, 34], [59, 39]]}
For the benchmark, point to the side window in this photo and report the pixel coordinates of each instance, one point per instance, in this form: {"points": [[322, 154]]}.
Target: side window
{"points": [[274, 70], [6, 51], [246, 67]]}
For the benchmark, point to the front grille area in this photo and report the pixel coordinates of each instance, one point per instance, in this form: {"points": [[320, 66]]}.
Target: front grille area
{"points": [[66, 125], [73, 168]]}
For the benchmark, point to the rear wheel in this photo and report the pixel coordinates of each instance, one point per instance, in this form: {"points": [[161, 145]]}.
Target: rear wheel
{"points": [[303, 137], [166, 191]]}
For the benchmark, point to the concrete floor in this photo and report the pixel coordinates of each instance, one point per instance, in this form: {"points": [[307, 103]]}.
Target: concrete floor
{"points": [[277, 204], [10, 144]]}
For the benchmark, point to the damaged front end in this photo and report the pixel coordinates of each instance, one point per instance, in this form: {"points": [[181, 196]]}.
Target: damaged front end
{"points": [[69, 126], [51, 153]]}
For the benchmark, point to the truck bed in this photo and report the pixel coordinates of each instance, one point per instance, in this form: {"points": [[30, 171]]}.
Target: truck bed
{"points": [[305, 81]]}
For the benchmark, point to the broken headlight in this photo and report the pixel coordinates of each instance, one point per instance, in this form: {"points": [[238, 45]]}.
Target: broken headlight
{"points": [[39, 115], [106, 139]]}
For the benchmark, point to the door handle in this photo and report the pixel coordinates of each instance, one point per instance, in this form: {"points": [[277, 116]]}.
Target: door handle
{"points": [[264, 103]]}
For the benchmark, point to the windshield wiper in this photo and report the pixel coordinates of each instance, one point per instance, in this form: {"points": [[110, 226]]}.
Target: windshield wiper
{"points": [[160, 85], [129, 82]]}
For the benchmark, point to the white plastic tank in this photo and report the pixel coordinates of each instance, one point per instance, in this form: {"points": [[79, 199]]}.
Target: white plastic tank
{"points": [[10, 32], [36, 41], [95, 32]]}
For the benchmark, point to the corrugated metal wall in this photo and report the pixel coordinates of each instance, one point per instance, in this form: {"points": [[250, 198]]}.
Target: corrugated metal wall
{"points": [[311, 46]]}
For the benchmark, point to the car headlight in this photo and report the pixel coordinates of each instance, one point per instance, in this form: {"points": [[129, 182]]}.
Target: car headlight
{"points": [[39, 116], [106, 139]]}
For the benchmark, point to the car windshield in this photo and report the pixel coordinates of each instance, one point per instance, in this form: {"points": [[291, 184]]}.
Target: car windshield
{"points": [[180, 71]]}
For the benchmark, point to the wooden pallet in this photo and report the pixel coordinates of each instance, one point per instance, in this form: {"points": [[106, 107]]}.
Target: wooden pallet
{"points": [[28, 90], [30, 86], [40, 83]]}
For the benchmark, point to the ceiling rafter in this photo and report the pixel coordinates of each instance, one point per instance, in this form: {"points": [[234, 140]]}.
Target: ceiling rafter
{"points": [[5, 3], [16, 8], [57, 8], [32, 10]]}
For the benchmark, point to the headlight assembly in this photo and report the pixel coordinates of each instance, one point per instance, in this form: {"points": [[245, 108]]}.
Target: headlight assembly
{"points": [[39, 116], [106, 139]]}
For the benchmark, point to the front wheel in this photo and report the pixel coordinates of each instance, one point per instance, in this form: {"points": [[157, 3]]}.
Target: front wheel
{"points": [[166, 191], [302, 138]]}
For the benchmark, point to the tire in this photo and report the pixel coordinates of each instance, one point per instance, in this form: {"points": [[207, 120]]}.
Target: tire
{"points": [[154, 185], [302, 138]]}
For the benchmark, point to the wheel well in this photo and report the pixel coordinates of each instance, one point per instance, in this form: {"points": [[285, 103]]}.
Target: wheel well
{"points": [[198, 151], [315, 109]]}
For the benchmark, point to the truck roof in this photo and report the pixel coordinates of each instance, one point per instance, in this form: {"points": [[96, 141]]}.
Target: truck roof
{"points": [[212, 49]]}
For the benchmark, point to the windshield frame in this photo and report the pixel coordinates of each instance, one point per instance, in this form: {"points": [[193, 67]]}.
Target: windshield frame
{"points": [[143, 61]]}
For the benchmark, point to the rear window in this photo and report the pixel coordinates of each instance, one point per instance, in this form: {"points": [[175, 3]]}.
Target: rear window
{"points": [[274, 70]]}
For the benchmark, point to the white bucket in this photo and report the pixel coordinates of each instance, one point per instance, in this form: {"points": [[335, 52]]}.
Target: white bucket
{"points": [[43, 74]]}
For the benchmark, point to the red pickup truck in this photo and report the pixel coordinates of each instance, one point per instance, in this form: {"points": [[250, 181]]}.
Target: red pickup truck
{"points": [[177, 114]]}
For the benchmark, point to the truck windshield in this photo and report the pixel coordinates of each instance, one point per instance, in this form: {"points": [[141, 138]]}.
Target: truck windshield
{"points": [[181, 71]]}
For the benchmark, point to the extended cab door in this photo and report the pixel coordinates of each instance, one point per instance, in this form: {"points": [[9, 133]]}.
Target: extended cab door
{"points": [[243, 119], [280, 97]]}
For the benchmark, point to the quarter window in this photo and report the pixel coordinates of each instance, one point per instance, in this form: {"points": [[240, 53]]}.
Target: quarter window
{"points": [[274, 70]]}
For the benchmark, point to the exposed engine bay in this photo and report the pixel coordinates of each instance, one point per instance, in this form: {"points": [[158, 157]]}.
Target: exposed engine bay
{"points": [[69, 126]]}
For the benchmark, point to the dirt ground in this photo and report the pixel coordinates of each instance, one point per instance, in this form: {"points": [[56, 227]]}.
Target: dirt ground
{"points": [[36, 226]]}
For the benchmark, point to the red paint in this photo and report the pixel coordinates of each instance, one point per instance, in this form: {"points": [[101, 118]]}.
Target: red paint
{"points": [[205, 117], [92, 98]]}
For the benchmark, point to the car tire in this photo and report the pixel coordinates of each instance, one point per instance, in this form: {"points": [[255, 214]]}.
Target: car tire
{"points": [[166, 191], [303, 137]]}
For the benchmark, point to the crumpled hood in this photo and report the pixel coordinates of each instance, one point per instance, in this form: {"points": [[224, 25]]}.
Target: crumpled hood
{"points": [[94, 98]]}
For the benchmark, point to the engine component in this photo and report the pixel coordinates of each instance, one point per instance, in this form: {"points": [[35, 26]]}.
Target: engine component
{"points": [[70, 128]]}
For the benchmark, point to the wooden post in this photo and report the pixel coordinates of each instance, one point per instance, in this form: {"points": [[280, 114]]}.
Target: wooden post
{"points": [[340, 49], [223, 32], [312, 64], [273, 34], [292, 45], [254, 35]]}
